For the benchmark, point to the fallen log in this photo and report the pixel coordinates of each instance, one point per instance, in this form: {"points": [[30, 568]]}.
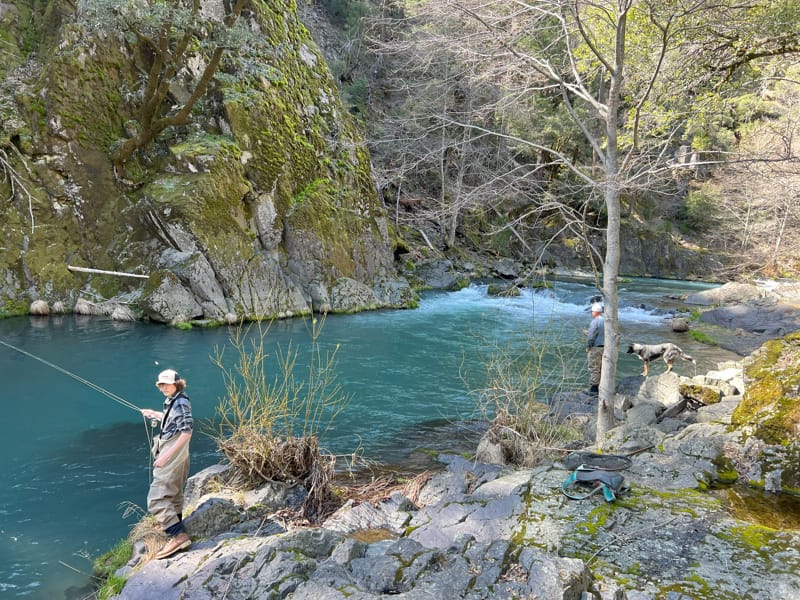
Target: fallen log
{"points": [[102, 272]]}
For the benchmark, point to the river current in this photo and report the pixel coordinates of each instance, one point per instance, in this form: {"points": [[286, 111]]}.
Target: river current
{"points": [[74, 459]]}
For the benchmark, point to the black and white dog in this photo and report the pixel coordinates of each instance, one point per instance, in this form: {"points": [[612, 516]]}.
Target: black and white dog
{"points": [[669, 352]]}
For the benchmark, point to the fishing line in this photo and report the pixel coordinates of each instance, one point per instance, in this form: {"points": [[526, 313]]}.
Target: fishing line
{"points": [[94, 386], [85, 382]]}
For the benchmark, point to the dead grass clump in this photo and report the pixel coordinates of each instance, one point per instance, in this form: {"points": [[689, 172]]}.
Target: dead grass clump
{"points": [[379, 488], [84, 307], [258, 458], [122, 313], [150, 534], [39, 308], [272, 414], [412, 488]]}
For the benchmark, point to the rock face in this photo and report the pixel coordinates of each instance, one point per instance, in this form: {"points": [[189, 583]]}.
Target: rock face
{"points": [[747, 316], [768, 415], [454, 545], [482, 531], [644, 252], [265, 195]]}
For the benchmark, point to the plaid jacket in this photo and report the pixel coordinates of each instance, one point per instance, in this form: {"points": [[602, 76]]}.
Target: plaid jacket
{"points": [[177, 416]]}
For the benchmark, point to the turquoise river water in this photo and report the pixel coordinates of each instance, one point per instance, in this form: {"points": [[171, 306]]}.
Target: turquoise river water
{"points": [[73, 458]]}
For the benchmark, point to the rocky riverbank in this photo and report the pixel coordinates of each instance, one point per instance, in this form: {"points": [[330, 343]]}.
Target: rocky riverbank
{"points": [[480, 530]]}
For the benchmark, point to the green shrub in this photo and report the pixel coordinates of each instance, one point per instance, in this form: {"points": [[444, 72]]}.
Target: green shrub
{"points": [[698, 213], [105, 567], [701, 337], [112, 587], [345, 12]]}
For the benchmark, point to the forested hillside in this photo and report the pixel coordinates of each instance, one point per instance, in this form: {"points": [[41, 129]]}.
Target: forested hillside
{"points": [[475, 142], [208, 146]]}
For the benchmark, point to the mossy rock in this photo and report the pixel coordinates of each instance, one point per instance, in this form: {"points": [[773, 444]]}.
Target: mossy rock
{"points": [[770, 409], [701, 393], [507, 291], [726, 470], [542, 284], [770, 412]]}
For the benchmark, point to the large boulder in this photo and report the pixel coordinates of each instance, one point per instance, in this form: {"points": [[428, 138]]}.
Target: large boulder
{"points": [[168, 301], [730, 293], [767, 319], [769, 416], [197, 275], [436, 274], [348, 295]]}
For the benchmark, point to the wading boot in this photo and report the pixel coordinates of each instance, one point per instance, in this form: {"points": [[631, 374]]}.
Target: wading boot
{"points": [[174, 544]]}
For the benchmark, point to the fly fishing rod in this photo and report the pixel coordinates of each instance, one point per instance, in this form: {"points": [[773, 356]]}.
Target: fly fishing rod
{"points": [[78, 378], [95, 387]]}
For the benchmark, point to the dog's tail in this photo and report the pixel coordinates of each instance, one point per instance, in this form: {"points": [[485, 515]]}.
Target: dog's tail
{"points": [[673, 352]]}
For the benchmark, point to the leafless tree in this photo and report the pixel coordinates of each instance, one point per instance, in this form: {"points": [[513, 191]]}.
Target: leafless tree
{"points": [[164, 38], [759, 195]]}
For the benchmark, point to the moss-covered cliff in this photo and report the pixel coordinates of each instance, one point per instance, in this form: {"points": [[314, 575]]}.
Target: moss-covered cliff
{"points": [[769, 414], [260, 205]]}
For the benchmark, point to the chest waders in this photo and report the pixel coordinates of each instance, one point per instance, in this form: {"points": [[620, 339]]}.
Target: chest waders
{"points": [[165, 498]]}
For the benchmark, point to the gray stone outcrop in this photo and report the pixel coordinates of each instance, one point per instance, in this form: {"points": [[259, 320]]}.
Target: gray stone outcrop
{"points": [[731, 292], [170, 301], [457, 546], [768, 319], [348, 295], [478, 531], [197, 275], [744, 316], [436, 274]]}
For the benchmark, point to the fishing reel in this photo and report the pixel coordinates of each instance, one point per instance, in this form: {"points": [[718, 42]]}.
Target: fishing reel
{"points": [[153, 423]]}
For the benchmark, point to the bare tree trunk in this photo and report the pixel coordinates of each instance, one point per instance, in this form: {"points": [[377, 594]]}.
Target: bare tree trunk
{"points": [[608, 377], [782, 220], [442, 212]]}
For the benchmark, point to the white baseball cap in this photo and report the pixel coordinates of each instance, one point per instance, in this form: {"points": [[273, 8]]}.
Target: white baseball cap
{"points": [[168, 376], [596, 307]]}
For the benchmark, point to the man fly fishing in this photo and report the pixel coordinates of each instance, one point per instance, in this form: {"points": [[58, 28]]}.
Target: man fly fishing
{"points": [[171, 461]]}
